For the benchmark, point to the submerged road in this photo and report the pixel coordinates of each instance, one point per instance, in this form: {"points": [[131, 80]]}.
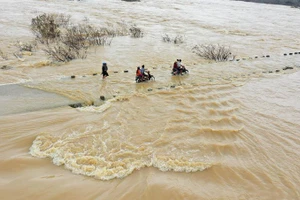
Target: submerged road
{"points": [[19, 99]]}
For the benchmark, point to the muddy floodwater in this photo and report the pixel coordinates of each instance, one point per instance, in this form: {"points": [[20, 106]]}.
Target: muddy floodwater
{"points": [[225, 130]]}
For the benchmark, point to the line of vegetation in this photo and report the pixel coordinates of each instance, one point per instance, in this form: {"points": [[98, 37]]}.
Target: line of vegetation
{"points": [[63, 41]]}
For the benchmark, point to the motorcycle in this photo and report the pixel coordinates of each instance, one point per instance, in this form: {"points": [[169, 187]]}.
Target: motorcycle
{"points": [[181, 71], [146, 77]]}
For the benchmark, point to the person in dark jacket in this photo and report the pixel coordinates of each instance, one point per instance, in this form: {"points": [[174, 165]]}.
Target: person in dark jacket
{"points": [[104, 70]]}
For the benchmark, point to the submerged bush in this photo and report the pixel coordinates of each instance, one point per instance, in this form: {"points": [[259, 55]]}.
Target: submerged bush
{"points": [[63, 42], [176, 40], [213, 52], [75, 42], [89, 35], [47, 26], [136, 32], [60, 52], [166, 38], [26, 46], [118, 29]]}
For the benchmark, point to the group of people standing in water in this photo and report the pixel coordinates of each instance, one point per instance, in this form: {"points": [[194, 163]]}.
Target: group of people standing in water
{"points": [[141, 73]]}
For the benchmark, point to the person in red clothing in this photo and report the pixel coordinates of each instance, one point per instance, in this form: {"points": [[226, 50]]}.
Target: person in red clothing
{"points": [[176, 67], [138, 72]]}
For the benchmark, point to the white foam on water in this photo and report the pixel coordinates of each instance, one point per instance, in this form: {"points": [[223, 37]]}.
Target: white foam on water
{"points": [[99, 156], [97, 109]]}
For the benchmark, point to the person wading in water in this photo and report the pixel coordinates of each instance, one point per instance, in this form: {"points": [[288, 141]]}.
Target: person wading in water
{"points": [[104, 70]]}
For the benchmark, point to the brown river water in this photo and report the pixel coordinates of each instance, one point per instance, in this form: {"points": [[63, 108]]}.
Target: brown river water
{"points": [[227, 130]]}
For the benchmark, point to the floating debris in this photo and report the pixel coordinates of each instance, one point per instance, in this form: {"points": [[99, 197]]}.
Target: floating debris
{"points": [[102, 98]]}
